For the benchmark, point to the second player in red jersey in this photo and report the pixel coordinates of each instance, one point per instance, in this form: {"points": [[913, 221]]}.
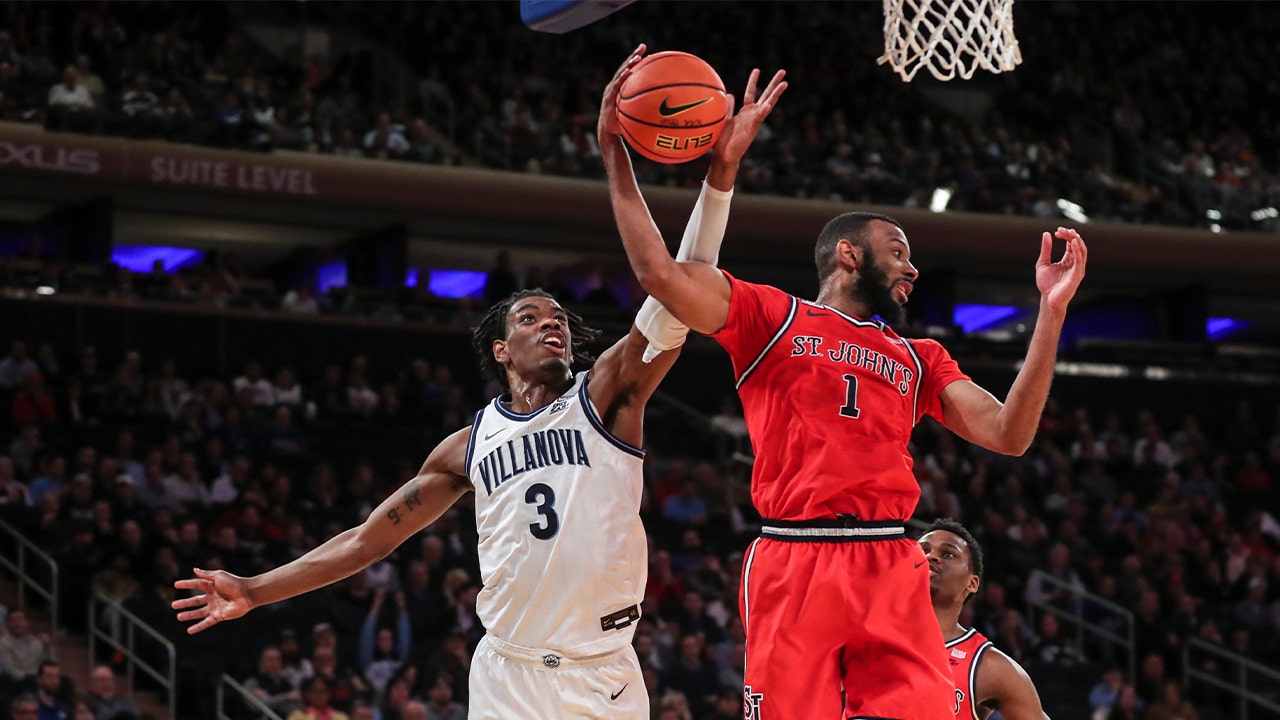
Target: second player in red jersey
{"points": [[986, 679]]}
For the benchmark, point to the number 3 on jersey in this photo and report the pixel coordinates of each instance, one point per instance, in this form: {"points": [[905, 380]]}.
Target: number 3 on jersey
{"points": [[850, 408], [544, 497]]}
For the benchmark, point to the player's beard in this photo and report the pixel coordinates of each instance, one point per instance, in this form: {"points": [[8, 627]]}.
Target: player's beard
{"points": [[874, 290]]}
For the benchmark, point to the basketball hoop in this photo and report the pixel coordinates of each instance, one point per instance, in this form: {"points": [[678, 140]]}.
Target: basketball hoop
{"points": [[952, 38]]}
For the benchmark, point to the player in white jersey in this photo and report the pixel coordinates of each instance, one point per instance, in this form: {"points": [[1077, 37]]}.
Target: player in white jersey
{"points": [[556, 467]]}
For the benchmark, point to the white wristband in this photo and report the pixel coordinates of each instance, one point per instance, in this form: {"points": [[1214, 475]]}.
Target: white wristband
{"points": [[700, 243]]}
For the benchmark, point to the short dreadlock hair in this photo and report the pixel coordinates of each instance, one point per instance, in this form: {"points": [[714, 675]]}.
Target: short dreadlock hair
{"points": [[960, 531], [494, 327]]}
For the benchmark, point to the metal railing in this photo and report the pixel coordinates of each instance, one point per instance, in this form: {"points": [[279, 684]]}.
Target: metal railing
{"points": [[265, 712], [120, 621], [1076, 616], [1240, 688], [25, 549]]}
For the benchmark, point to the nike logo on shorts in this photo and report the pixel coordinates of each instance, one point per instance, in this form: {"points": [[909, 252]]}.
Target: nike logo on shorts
{"points": [[614, 696], [666, 110]]}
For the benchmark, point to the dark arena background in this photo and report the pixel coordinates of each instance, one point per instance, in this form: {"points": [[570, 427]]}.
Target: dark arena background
{"points": [[242, 245]]}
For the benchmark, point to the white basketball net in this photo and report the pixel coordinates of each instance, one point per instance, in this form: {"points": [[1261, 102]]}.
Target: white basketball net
{"points": [[952, 38]]}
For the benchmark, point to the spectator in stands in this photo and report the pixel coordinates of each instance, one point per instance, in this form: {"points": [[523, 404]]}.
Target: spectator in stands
{"points": [[51, 477], [16, 367], [33, 403], [386, 140], [440, 704], [300, 300], [24, 707], [88, 78], [54, 694], [141, 108], [1127, 706], [70, 105], [686, 507], [501, 279], [382, 650], [106, 702], [316, 702], [13, 494], [22, 651], [271, 686], [253, 381], [341, 686], [1171, 705]]}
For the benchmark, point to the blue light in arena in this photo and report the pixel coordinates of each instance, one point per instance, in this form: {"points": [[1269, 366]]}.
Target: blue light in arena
{"points": [[140, 258], [331, 275], [411, 277], [456, 283], [972, 318], [1218, 328]]}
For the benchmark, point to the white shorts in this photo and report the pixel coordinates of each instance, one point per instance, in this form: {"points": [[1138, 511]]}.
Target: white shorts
{"points": [[509, 682]]}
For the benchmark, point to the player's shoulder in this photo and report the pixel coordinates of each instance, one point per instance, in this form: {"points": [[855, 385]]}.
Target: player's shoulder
{"points": [[999, 669], [760, 290]]}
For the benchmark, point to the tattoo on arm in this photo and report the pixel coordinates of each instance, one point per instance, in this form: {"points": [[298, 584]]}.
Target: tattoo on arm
{"points": [[411, 496], [394, 514]]}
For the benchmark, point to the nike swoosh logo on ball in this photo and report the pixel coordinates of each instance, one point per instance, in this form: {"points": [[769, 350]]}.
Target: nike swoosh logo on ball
{"points": [[666, 110]]}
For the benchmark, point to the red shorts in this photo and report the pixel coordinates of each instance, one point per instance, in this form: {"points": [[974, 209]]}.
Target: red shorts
{"points": [[842, 629]]}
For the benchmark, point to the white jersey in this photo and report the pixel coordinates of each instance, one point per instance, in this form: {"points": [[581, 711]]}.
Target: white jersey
{"points": [[562, 549]]}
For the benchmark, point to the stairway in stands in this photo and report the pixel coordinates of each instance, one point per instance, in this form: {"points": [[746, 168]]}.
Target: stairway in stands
{"points": [[73, 653]]}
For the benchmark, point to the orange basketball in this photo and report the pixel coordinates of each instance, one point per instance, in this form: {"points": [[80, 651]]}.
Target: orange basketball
{"points": [[672, 107]]}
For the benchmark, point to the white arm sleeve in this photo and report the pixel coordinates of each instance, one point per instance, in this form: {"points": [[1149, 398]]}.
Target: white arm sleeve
{"points": [[701, 243]]}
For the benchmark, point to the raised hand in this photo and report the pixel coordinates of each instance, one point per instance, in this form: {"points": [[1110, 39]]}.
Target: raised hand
{"points": [[741, 129], [1057, 281], [608, 123], [222, 597]]}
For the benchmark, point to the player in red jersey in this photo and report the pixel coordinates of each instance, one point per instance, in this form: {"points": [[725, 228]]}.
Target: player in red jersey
{"points": [[831, 395], [986, 679]]}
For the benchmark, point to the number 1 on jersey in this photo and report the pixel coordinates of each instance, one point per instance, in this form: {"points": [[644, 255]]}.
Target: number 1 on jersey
{"points": [[850, 408]]}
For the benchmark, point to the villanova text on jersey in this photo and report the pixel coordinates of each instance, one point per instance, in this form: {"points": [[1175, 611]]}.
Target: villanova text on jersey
{"points": [[534, 451]]}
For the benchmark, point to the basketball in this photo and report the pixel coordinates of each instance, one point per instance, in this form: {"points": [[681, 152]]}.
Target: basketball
{"points": [[672, 107]]}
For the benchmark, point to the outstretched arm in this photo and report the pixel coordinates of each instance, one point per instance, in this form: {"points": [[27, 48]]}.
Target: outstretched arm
{"points": [[440, 482], [1009, 427], [696, 293]]}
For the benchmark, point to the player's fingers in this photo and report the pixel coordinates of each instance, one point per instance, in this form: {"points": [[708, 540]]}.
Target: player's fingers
{"points": [[187, 602], [775, 86], [771, 99], [190, 584], [749, 96], [198, 613], [202, 625], [1046, 249], [728, 105], [631, 60]]}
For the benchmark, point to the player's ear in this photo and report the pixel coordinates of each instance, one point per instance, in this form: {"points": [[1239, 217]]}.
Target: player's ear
{"points": [[973, 584], [848, 255], [500, 351]]}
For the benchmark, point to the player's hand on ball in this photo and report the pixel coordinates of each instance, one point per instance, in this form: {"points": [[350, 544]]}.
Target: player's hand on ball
{"points": [[608, 124], [222, 596]]}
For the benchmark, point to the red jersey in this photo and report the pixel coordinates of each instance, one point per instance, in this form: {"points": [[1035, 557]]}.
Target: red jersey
{"points": [[964, 653], [830, 402]]}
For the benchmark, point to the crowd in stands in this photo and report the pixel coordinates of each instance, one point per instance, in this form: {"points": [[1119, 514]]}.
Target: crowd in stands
{"points": [[1162, 119], [134, 472]]}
